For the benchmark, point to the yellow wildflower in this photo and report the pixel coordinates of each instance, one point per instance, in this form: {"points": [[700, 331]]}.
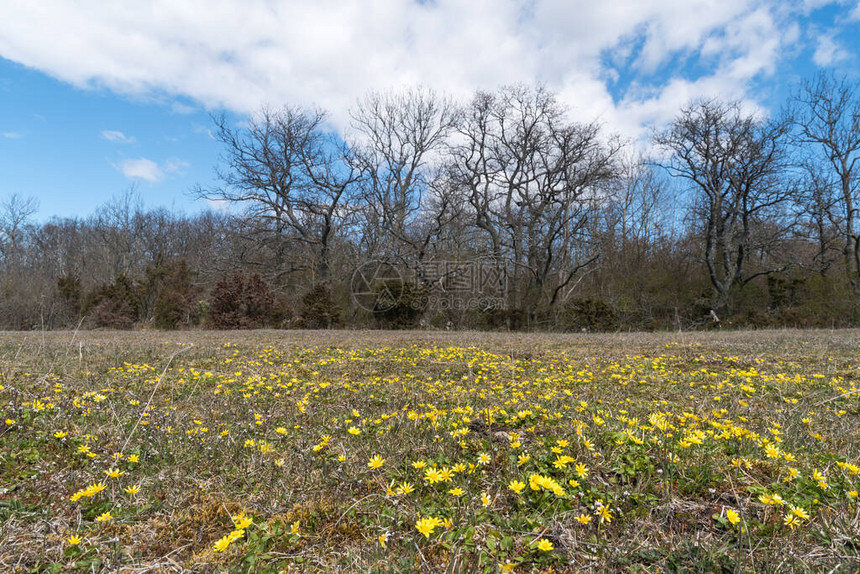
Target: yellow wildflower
{"points": [[517, 486], [485, 500], [561, 461], [732, 516], [405, 488], [773, 499], [242, 522], [222, 543], [432, 476], [427, 525]]}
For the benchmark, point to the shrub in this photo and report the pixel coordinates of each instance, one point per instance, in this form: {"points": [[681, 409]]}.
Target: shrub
{"points": [[258, 302], [113, 305], [590, 314], [319, 310], [497, 318], [70, 295], [110, 313], [225, 306], [175, 301], [406, 310], [237, 302]]}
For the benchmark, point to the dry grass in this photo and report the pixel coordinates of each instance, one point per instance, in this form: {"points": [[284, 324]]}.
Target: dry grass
{"points": [[230, 422]]}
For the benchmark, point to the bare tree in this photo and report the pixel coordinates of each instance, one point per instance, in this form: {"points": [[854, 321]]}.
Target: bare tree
{"points": [[733, 163], [638, 213], [827, 114], [294, 178], [20, 303], [638, 223], [399, 140], [532, 179], [116, 229], [819, 215], [15, 214]]}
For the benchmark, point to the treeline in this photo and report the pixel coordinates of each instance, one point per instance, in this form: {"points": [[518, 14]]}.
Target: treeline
{"points": [[497, 213]]}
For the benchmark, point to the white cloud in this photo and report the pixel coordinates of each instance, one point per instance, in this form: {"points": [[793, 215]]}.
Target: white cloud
{"points": [[182, 109], [220, 205], [174, 165], [812, 5], [141, 168], [12, 135], [828, 51], [117, 137], [151, 171], [242, 55], [205, 130]]}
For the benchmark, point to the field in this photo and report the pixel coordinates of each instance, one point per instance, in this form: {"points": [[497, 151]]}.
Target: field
{"points": [[409, 452]]}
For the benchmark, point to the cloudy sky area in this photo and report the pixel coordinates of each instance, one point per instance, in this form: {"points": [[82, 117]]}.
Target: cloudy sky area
{"points": [[96, 96]]}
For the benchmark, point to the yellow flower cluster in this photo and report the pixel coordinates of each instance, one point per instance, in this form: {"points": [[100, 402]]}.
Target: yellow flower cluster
{"points": [[240, 523], [427, 525], [504, 441], [540, 482], [89, 491]]}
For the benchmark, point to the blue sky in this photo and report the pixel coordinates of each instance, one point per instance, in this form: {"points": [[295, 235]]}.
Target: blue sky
{"points": [[96, 97], [73, 149]]}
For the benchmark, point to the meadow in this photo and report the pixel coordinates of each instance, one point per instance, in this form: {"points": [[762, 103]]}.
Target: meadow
{"points": [[359, 451]]}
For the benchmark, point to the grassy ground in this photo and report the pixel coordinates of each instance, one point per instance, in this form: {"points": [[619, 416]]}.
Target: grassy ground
{"points": [[470, 452]]}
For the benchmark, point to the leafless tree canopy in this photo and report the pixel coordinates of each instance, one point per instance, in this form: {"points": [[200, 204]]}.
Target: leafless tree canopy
{"points": [[426, 205], [827, 121], [734, 164], [533, 181], [293, 177]]}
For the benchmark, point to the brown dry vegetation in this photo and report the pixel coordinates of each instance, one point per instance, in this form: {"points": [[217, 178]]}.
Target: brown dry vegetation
{"points": [[268, 399]]}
